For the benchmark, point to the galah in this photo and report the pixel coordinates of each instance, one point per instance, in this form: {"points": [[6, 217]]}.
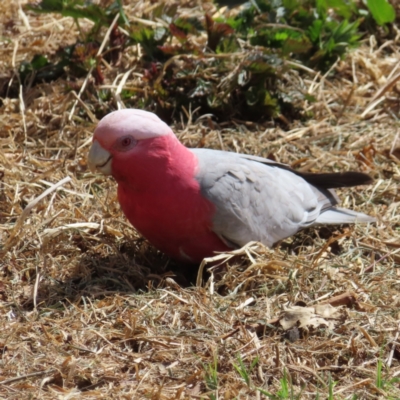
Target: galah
{"points": [[192, 203]]}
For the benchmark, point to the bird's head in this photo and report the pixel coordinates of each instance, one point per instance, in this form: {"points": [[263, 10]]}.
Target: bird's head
{"points": [[123, 134]]}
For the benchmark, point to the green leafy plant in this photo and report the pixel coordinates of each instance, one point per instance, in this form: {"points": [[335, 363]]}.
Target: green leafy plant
{"points": [[211, 378], [388, 385], [382, 11], [182, 70], [286, 388], [306, 31], [78, 9], [82, 57], [379, 381], [285, 391], [243, 371], [331, 385]]}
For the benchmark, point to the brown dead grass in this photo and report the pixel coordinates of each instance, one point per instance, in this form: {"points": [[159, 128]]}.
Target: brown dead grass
{"points": [[90, 310]]}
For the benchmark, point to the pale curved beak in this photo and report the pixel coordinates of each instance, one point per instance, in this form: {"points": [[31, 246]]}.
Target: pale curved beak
{"points": [[99, 159]]}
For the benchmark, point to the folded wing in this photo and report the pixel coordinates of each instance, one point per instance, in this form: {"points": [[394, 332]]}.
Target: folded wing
{"points": [[258, 199]]}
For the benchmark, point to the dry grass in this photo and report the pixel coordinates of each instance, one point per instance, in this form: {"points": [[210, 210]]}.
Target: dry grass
{"points": [[90, 310]]}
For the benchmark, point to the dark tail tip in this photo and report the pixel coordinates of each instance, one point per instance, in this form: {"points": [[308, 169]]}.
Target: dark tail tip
{"points": [[337, 180]]}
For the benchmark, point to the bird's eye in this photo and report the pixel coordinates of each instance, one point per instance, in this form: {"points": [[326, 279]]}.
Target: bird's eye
{"points": [[125, 143]]}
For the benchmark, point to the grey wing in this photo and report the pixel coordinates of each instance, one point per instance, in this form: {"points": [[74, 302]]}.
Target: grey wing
{"points": [[257, 201]]}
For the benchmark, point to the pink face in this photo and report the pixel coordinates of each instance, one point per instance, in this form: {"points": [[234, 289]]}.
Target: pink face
{"points": [[119, 133]]}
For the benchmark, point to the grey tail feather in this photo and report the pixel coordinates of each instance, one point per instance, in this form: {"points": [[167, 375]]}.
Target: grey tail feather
{"points": [[343, 216]]}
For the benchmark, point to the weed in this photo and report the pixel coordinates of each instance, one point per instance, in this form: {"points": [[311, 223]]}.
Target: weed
{"points": [[181, 69]]}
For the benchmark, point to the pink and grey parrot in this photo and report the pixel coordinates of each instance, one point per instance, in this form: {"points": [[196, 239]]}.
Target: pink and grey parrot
{"points": [[192, 203]]}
